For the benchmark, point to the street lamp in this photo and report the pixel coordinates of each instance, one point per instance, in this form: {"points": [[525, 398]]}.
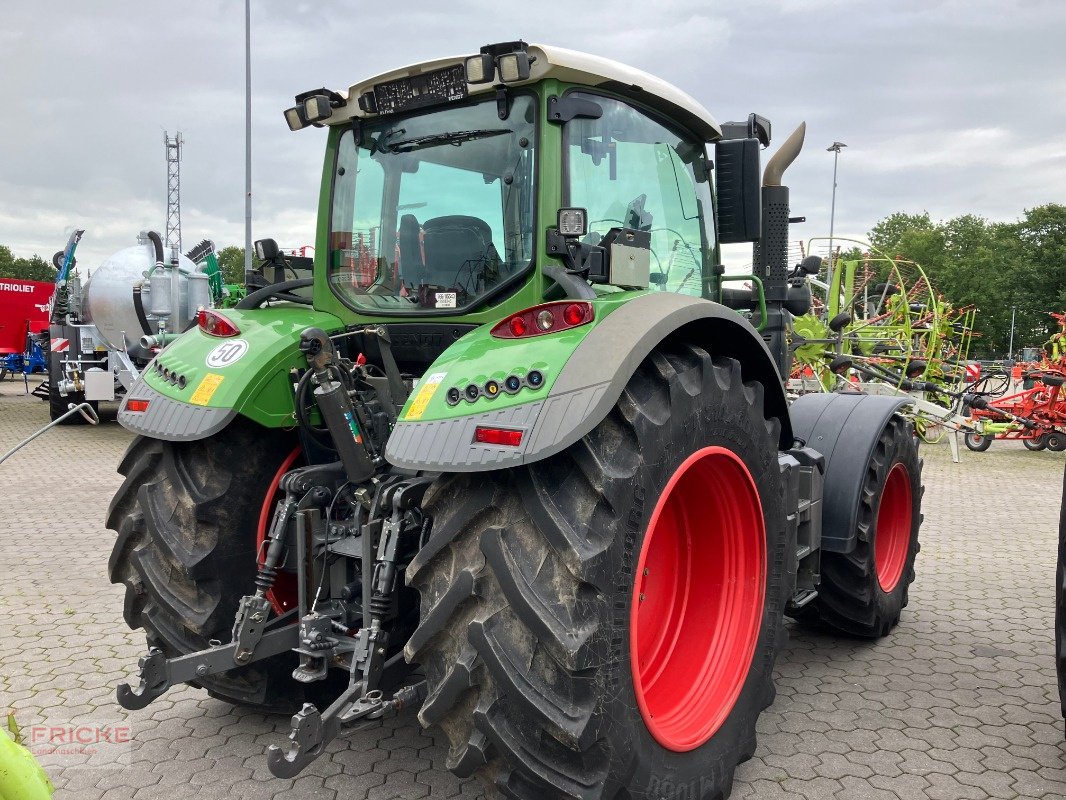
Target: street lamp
{"points": [[834, 148]]}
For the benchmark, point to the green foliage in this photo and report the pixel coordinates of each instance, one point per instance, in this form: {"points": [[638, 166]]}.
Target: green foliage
{"points": [[231, 260], [993, 266], [33, 268]]}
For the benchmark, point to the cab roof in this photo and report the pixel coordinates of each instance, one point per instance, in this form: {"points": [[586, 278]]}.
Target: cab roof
{"points": [[568, 66]]}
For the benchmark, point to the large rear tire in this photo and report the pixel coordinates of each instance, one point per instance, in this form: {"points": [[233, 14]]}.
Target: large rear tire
{"points": [[863, 592], [604, 623], [187, 516]]}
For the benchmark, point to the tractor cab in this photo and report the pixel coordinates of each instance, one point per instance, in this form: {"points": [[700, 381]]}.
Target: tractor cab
{"points": [[476, 186]]}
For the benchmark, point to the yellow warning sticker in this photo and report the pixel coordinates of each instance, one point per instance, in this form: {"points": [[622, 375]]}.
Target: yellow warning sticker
{"points": [[425, 394], [206, 390]]}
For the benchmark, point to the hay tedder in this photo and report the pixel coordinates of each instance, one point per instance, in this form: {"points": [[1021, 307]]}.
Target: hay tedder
{"points": [[515, 460], [1036, 416], [882, 329]]}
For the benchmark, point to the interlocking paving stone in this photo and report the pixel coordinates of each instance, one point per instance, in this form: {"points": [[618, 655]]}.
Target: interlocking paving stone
{"points": [[960, 702]]}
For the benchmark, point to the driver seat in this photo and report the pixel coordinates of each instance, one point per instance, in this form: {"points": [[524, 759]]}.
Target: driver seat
{"points": [[458, 251], [409, 244]]}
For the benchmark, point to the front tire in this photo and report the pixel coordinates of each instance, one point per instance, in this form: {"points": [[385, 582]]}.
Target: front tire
{"points": [[863, 592], [541, 673], [977, 442], [187, 516]]}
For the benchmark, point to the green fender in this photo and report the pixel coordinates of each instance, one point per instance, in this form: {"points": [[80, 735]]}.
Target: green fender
{"points": [[585, 370], [198, 383]]}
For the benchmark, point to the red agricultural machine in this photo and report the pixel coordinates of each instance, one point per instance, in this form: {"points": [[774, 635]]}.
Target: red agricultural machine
{"points": [[1036, 416]]}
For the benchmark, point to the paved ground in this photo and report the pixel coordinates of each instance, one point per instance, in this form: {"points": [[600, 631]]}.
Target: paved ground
{"points": [[959, 703]]}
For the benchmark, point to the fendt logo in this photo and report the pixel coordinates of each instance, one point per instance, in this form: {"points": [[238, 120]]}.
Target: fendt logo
{"points": [[16, 287]]}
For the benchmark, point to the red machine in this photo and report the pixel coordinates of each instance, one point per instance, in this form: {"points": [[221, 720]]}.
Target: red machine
{"points": [[24, 308], [1035, 416]]}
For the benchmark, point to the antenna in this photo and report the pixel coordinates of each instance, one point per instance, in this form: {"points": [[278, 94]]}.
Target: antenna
{"points": [[173, 149]]}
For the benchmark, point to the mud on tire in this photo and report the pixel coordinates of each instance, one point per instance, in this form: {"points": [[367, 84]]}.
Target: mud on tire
{"points": [[186, 516], [526, 586]]}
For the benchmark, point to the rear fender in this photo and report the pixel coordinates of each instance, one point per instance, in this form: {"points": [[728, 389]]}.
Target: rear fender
{"points": [[585, 372], [199, 383], [844, 428]]}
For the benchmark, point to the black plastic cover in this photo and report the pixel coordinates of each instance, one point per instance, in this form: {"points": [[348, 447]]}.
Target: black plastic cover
{"points": [[737, 168]]}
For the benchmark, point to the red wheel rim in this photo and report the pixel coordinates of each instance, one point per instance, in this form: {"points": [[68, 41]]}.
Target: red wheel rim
{"points": [[282, 595], [698, 599], [892, 537]]}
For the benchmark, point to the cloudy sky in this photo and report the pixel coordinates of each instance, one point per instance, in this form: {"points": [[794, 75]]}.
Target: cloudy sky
{"points": [[950, 107]]}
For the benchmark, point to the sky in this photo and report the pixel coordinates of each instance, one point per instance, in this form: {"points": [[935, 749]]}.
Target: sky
{"points": [[947, 107]]}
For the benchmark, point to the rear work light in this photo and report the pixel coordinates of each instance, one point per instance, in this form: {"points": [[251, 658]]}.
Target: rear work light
{"points": [[546, 318], [137, 405], [214, 324], [504, 436]]}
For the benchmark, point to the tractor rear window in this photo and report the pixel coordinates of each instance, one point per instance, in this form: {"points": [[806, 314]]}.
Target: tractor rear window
{"points": [[630, 171], [434, 211]]}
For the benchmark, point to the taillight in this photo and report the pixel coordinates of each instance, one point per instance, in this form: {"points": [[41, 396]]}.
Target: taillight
{"points": [[137, 405], [546, 318], [214, 324], [504, 436]]}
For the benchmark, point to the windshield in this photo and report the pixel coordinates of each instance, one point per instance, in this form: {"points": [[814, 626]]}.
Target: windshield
{"points": [[434, 211]]}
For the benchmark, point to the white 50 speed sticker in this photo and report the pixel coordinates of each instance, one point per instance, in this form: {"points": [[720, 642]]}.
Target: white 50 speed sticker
{"points": [[227, 353]]}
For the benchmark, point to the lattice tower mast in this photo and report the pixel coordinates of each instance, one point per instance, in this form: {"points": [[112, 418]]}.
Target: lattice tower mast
{"points": [[173, 151]]}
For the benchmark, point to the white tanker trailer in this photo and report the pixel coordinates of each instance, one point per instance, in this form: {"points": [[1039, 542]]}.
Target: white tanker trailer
{"points": [[104, 331]]}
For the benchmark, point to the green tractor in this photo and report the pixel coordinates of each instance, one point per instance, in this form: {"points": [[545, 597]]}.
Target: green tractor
{"points": [[514, 455]]}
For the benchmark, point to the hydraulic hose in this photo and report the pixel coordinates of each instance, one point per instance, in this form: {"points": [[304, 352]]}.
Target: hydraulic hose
{"points": [[157, 242], [138, 306]]}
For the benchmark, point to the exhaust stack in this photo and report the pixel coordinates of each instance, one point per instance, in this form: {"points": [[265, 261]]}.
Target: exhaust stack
{"points": [[783, 158], [771, 251]]}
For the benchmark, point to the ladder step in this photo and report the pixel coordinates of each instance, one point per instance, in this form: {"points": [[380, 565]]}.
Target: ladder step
{"points": [[802, 598]]}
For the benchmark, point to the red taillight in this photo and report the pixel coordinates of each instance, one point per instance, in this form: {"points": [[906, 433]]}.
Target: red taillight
{"points": [[546, 318], [502, 436], [517, 326], [214, 324], [137, 405]]}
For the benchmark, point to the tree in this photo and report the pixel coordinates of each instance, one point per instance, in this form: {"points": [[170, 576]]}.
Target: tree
{"points": [[1041, 271], [33, 268], [1000, 268], [231, 261]]}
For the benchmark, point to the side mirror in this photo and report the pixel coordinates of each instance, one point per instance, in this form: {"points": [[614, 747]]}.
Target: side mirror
{"points": [[738, 187]]}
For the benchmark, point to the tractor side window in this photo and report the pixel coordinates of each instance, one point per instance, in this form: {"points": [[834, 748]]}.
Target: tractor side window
{"points": [[630, 171], [356, 229]]}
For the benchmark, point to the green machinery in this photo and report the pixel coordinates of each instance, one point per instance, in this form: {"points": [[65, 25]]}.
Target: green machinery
{"points": [[882, 328], [510, 453]]}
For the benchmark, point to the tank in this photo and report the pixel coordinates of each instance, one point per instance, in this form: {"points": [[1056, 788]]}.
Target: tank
{"points": [[108, 297]]}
